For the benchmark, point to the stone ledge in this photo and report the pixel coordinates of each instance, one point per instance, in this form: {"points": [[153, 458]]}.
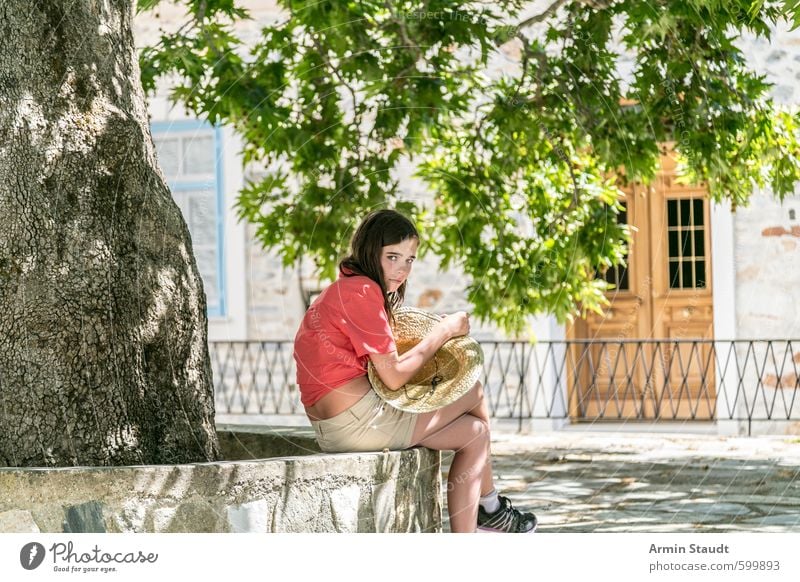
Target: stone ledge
{"points": [[240, 442], [397, 491]]}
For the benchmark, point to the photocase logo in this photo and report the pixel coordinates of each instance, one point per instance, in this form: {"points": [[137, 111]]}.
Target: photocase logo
{"points": [[31, 555]]}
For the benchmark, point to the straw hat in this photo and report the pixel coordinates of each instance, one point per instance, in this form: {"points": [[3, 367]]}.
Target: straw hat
{"points": [[445, 378]]}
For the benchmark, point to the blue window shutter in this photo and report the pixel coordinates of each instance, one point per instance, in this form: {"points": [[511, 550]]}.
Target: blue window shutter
{"points": [[190, 155]]}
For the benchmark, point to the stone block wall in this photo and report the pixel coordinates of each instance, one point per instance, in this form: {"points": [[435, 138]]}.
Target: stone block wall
{"points": [[398, 491], [767, 261]]}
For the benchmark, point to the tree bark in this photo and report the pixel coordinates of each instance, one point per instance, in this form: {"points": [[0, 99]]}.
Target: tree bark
{"points": [[103, 348]]}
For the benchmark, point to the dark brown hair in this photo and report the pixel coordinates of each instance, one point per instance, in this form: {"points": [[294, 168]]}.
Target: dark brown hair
{"points": [[379, 229]]}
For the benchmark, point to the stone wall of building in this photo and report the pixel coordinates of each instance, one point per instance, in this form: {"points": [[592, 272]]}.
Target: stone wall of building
{"points": [[767, 232], [767, 261], [766, 255]]}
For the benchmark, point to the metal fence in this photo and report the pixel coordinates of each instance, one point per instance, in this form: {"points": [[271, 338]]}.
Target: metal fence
{"points": [[582, 380]]}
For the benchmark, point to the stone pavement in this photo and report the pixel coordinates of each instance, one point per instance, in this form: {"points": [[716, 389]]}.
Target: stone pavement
{"points": [[641, 482]]}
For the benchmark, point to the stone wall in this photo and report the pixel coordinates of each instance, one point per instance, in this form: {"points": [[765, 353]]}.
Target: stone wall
{"points": [[767, 232], [767, 264], [767, 260], [398, 491]]}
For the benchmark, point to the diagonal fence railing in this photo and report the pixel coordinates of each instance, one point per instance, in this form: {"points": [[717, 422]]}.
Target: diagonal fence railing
{"points": [[584, 380]]}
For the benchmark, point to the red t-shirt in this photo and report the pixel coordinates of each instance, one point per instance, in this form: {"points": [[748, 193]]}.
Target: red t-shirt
{"points": [[343, 325]]}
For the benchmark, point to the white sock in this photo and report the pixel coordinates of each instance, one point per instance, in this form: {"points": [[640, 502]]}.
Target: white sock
{"points": [[490, 502]]}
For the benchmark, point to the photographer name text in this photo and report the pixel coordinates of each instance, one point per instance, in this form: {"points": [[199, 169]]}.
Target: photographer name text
{"points": [[690, 549]]}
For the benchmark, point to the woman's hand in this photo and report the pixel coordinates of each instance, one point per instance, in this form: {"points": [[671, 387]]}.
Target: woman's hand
{"points": [[395, 370], [455, 324]]}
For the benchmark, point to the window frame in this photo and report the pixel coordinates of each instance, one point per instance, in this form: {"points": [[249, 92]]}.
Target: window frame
{"points": [[192, 127]]}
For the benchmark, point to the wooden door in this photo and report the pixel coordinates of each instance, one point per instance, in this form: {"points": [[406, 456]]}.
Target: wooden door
{"points": [[682, 299], [625, 364]]}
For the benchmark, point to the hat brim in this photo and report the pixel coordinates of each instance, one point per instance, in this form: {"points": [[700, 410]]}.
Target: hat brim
{"points": [[445, 378]]}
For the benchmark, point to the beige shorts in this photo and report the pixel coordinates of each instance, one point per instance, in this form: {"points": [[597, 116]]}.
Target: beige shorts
{"points": [[369, 425]]}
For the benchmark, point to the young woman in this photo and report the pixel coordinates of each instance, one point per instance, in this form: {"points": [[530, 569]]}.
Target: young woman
{"points": [[350, 322]]}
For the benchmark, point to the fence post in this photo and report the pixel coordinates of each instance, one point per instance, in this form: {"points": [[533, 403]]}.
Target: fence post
{"points": [[731, 410], [547, 377]]}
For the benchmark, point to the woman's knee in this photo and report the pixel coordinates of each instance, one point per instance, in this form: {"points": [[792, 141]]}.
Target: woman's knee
{"points": [[477, 436]]}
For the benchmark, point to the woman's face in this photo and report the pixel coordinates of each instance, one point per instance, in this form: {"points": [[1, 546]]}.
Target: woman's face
{"points": [[396, 262]]}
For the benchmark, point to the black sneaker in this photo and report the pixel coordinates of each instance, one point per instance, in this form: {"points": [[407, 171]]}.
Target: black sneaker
{"points": [[506, 519]]}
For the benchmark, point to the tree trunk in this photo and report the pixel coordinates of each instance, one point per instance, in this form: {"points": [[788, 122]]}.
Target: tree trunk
{"points": [[103, 351]]}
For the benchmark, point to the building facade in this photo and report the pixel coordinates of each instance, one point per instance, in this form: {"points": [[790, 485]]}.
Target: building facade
{"points": [[698, 326]]}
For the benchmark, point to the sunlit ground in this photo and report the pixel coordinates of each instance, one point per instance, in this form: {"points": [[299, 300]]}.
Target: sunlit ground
{"points": [[627, 482]]}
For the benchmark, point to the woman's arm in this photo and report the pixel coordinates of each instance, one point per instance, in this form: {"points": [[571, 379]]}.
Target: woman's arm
{"points": [[395, 371]]}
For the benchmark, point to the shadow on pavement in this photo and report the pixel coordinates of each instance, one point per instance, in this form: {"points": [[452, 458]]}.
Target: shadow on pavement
{"points": [[652, 483]]}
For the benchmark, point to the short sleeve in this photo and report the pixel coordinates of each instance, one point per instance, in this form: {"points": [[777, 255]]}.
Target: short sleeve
{"points": [[364, 320]]}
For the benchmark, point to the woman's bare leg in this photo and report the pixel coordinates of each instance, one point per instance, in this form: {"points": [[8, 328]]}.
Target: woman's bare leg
{"points": [[463, 427], [469, 437], [481, 411]]}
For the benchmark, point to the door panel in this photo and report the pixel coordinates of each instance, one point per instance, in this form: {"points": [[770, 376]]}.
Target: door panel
{"points": [[609, 377], [682, 300], [665, 294]]}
